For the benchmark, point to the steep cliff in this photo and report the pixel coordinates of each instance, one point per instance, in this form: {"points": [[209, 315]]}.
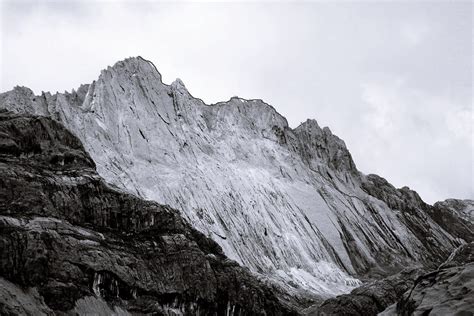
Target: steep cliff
{"points": [[287, 203], [70, 243]]}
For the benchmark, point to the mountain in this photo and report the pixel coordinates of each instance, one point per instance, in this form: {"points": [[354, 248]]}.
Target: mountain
{"points": [[70, 243], [447, 290], [289, 204]]}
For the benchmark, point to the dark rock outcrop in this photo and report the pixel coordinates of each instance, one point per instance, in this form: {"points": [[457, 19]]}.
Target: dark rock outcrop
{"points": [[446, 291], [456, 217], [71, 243], [371, 298], [419, 218], [319, 144]]}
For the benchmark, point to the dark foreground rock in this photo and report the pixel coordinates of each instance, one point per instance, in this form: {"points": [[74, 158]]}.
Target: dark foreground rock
{"points": [[371, 298], [446, 291], [449, 290], [69, 243]]}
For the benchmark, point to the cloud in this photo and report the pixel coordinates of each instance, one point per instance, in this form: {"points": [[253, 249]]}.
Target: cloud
{"points": [[460, 123], [428, 137], [414, 33]]}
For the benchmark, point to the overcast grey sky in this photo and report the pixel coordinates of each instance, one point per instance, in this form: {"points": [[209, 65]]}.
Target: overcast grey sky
{"points": [[393, 79]]}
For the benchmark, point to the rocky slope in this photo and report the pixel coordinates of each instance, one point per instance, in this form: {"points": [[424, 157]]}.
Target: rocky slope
{"points": [[456, 217], [447, 291], [371, 298], [71, 244], [287, 203]]}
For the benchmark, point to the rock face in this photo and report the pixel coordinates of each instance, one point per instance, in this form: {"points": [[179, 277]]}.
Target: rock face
{"points": [[372, 298], [456, 217], [287, 203], [447, 291], [70, 243]]}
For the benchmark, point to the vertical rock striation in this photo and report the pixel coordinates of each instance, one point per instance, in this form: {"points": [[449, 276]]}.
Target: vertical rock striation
{"points": [[287, 203], [70, 244]]}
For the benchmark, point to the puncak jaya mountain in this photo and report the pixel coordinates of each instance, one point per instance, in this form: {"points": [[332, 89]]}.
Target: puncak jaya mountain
{"points": [[288, 204]]}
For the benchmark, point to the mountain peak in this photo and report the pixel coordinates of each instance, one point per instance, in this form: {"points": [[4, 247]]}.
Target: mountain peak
{"points": [[21, 98], [133, 66], [310, 123], [178, 85]]}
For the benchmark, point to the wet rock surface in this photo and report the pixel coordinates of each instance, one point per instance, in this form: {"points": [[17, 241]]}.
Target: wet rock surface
{"points": [[70, 243]]}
